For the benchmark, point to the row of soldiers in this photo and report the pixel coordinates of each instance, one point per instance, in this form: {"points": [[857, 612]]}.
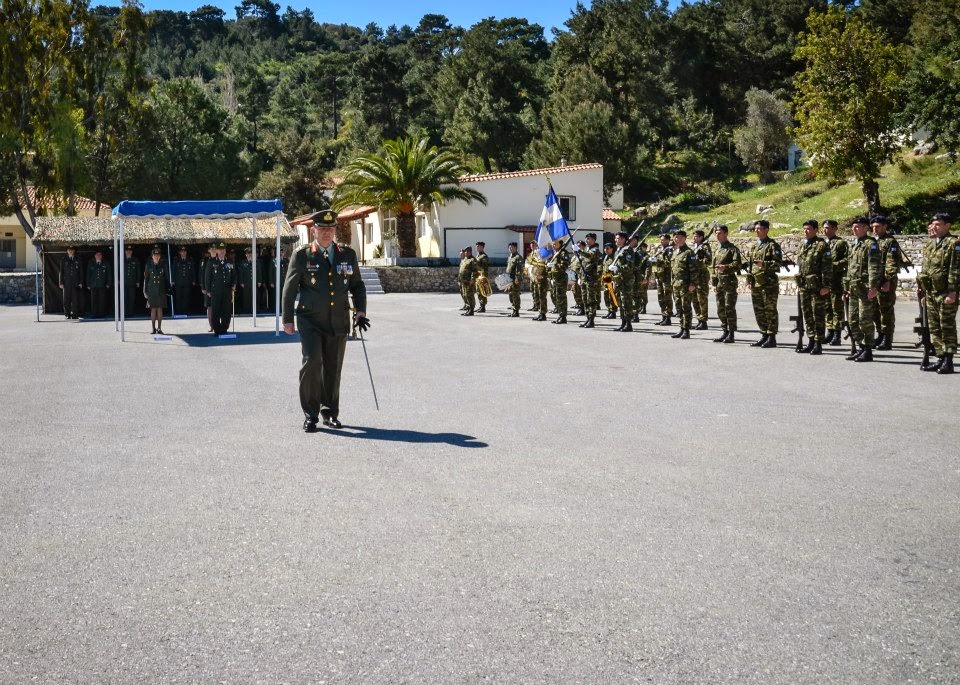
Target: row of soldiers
{"points": [[841, 286]]}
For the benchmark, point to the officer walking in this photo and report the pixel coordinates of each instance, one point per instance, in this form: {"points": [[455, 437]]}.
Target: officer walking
{"points": [[727, 262], [814, 276], [324, 275], [71, 283], [515, 272], [99, 278], [184, 280], [839, 252], [864, 277], [220, 281], [939, 282], [132, 281]]}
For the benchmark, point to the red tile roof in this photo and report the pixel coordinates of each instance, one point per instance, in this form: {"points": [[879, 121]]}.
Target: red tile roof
{"points": [[473, 178], [349, 214], [80, 202], [610, 215]]}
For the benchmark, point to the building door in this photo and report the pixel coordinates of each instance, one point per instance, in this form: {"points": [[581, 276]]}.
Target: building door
{"points": [[8, 254]]}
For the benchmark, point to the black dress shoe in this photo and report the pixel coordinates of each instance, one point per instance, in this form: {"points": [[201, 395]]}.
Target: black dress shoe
{"points": [[160, 331], [310, 424], [332, 422]]}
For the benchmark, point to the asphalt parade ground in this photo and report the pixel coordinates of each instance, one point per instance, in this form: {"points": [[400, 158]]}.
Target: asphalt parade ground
{"points": [[533, 503]]}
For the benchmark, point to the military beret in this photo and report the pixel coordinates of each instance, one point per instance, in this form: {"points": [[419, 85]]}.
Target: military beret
{"points": [[830, 222], [327, 217], [944, 217], [622, 234], [810, 222], [644, 245], [581, 242], [480, 243], [861, 220], [592, 235], [513, 244], [880, 219], [610, 245], [680, 231]]}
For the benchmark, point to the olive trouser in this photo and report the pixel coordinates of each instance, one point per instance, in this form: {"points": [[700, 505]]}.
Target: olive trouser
{"points": [[639, 293], [591, 295], [814, 308], [514, 294], [836, 317], [221, 310], [861, 316], [886, 316], [469, 290], [558, 292], [665, 296], [684, 300], [701, 297], [578, 294], [482, 299], [942, 318], [322, 361], [624, 286], [727, 302], [539, 289], [764, 298]]}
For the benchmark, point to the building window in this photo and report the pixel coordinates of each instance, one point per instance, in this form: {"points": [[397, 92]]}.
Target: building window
{"points": [[568, 207], [389, 226], [422, 229]]}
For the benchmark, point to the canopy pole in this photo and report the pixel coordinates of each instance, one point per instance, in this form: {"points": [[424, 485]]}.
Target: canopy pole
{"points": [[173, 312], [116, 278], [37, 283], [276, 282], [123, 291], [255, 295]]}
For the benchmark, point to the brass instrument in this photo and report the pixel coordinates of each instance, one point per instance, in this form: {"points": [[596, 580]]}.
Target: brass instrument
{"points": [[483, 286], [607, 280]]}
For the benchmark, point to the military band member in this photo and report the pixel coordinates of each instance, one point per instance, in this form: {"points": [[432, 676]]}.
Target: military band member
{"points": [[939, 281], [606, 277], [839, 252], [538, 281], [624, 270], [271, 275], [220, 281], [684, 267], [576, 266], [99, 278], [892, 260], [71, 283], [463, 290], [642, 290], [590, 261], [814, 276], [155, 282], [863, 280], [468, 280], [325, 276], [661, 271], [515, 271], [557, 267], [701, 298], [132, 280], [184, 280], [727, 262], [763, 279], [483, 271]]}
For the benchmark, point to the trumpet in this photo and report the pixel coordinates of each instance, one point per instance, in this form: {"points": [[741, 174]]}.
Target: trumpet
{"points": [[483, 286]]}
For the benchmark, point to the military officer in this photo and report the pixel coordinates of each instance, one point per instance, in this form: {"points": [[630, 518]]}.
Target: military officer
{"points": [[270, 272], [939, 282], [483, 271], [220, 281], [325, 275], [208, 257], [71, 283], [184, 280], [701, 298], [468, 279], [132, 280], [576, 266], [515, 272], [624, 270], [155, 289], [814, 276], [557, 267], [839, 252], [661, 271], [248, 288], [727, 262], [892, 260], [609, 293], [863, 281], [684, 268], [99, 278], [590, 261], [763, 280], [642, 289], [538, 281]]}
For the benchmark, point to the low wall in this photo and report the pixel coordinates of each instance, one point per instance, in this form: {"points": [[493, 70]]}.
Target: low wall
{"points": [[425, 279], [18, 288]]}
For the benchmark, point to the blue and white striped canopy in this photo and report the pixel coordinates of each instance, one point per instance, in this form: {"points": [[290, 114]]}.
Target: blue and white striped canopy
{"points": [[199, 209]]}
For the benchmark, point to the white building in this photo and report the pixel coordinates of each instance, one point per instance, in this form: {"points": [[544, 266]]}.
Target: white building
{"points": [[514, 202]]}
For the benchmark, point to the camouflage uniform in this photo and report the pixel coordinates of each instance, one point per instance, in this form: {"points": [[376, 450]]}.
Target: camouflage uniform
{"points": [[538, 282], [623, 280], [891, 260], [483, 269], [863, 272], [608, 300], [641, 291], [468, 283], [764, 284], [575, 266], [725, 283], [661, 271], [815, 271], [684, 267], [515, 271], [557, 271], [590, 260], [939, 277], [702, 281], [836, 318]]}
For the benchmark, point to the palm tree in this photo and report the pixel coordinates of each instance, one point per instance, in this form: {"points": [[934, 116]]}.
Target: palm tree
{"points": [[409, 175]]}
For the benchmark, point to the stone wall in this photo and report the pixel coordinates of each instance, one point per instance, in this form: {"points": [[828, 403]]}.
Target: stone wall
{"points": [[18, 288], [912, 245], [425, 279]]}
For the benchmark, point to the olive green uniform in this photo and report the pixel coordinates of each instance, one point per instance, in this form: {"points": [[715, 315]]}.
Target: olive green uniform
{"points": [[324, 281], [132, 283], [814, 272], [538, 281], [155, 281], [577, 288], [891, 260], [184, 279], [839, 254], [661, 271], [515, 272], [684, 268], [939, 277], [557, 271], [219, 281], [624, 270], [246, 284], [864, 271], [270, 279], [725, 283], [702, 281], [641, 291], [764, 284], [71, 283], [99, 278], [590, 259], [467, 276], [483, 270]]}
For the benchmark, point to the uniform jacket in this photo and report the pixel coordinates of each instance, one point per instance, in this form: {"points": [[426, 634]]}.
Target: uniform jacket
{"points": [[891, 258], [941, 265], [184, 273], [815, 264], [220, 275], [728, 255], [591, 258], [324, 289], [270, 271], [245, 273], [863, 266], [132, 273], [661, 264], [483, 264], [839, 254], [558, 265], [704, 256], [155, 280], [626, 262], [71, 274], [515, 266], [768, 252], [99, 275], [538, 266], [684, 266], [468, 269]]}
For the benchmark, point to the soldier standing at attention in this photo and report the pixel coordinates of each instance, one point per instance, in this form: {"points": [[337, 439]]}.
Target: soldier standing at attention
{"points": [[184, 279], [71, 283], [219, 281], [642, 290], [557, 271], [624, 270], [590, 259], [864, 277], [727, 262], [468, 276], [245, 282], [325, 276], [483, 269], [684, 266], [839, 252], [208, 257], [463, 290], [132, 280], [607, 262], [701, 297], [99, 277], [271, 275], [515, 272], [576, 266], [155, 289], [939, 281], [661, 271], [814, 276], [765, 262], [538, 281], [891, 260]]}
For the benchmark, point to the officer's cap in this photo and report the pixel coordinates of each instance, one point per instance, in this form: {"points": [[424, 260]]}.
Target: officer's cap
{"points": [[155, 250], [220, 246], [327, 217], [183, 248], [944, 217], [592, 235], [513, 244], [127, 248], [480, 243], [622, 234], [247, 250], [880, 219]]}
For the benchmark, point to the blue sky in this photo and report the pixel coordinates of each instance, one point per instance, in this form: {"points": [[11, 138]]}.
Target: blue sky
{"points": [[384, 12]]}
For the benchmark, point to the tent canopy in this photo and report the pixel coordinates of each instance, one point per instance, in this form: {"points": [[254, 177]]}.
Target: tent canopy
{"points": [[209, 209]]}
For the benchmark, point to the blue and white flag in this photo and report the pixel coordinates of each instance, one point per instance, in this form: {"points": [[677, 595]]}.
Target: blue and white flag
{"points": [[552, 225]]}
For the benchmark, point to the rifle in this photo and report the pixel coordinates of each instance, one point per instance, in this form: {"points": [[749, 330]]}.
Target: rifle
{"points": [[706, 238], [849, 334], [798, 327], [923, 330]]}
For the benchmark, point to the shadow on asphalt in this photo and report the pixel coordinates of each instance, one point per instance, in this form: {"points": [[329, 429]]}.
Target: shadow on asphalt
{"points": [[402, 435]]}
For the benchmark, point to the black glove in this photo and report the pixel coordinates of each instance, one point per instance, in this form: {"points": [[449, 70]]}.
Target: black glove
{"points": [[363, 323]]}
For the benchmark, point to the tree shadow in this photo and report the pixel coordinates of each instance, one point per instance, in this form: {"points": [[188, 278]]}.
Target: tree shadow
{"points": [[403, 435]]}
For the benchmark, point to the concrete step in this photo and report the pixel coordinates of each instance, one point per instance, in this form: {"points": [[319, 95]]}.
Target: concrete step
{"points": [[371, 280]]}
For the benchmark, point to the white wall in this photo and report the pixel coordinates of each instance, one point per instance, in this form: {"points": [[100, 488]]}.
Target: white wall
{"points": [[616, 199]]}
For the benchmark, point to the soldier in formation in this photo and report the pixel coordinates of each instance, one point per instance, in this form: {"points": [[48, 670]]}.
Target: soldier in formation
{"points": [[483, 271], [814, 278], [606, 278], [155, 289], [642, 290], [624, 273], [537, 267], [704, 257], [132, 280], [862, 283], [576, 266], [684, 268], [763, 280], [589, 260], [71, 283], [245, 282], [468, 280], [939, 281], [219, 281], [270, 270], [515, 271], [892, 260], [839, 253], [662, 259], [557, 267], [99, 278], [184, 281], [727, 262]]}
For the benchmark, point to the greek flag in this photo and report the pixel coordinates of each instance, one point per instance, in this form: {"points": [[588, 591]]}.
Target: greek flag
{"points": [[552, 225]]}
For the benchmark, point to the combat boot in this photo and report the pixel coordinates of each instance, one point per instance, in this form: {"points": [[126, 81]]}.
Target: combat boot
{"points": [[515, 314], [636, 318], [684, 334], [935, 366], [540, 317], [469, 312], [866, 355], [837, 338], [678, 334], [628, 327], [817, 348], [829, 337], [886, 344], [643, 309], [761, 342], [561, 319], [610, 315], [731, 338], [947, 365], [579, 312], [623, 324], [881, 341], [701, 325], [588, 323], [771, 342], [809, 347], [722, 338], [668, 322], [483, 308]]}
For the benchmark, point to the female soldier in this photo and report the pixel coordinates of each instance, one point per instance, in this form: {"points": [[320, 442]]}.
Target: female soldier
{"points": [[155, 289]]}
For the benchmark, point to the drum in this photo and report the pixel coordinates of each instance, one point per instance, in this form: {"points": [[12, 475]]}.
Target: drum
{"points": [[503, 281]]}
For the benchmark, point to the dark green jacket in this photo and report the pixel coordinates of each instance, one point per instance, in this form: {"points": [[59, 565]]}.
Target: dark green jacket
{"points": [[132, 274], [99, 275], [515, 266], [839, 254], [324, 288], [814, 264], [155, 280], [71, 273], [684, 266], [184, 273], [863, 267], [219, 276]]}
